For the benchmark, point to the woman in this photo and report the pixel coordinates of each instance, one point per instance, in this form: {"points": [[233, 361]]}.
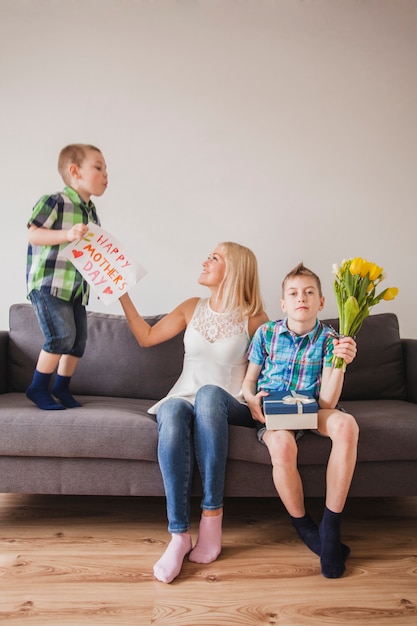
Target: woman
{"points": [[193, 418]]}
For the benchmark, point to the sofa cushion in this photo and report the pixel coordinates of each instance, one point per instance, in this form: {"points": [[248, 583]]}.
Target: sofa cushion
{"points": [[387, 429], [377, 372], [146, 373], [114, 428]]}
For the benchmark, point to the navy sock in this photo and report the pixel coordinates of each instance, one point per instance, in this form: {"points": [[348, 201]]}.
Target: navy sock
{"points": [[61, 391], [38, 392], [308, 531], [332, 559]]}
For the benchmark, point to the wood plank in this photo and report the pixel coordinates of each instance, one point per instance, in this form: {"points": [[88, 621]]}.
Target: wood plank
{"points": [[84, 560]]}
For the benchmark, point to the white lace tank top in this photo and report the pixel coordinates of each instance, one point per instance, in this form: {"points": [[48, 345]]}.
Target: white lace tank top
{"points": [[215, 346]]}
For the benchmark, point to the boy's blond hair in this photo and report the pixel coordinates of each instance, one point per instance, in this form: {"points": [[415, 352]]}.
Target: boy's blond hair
{"points": [[301, 270], [240, 288], [74, 153]]}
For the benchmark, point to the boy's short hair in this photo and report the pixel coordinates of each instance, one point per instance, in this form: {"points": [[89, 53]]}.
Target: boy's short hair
{"points": [[74, 153], [301, 270]]}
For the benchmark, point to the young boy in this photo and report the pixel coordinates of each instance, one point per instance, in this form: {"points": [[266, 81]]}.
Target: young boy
{"points": [[57, 291], [296, 354]]}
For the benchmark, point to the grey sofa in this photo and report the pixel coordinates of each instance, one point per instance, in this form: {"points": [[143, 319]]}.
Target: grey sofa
{"points": [[108, 447]]}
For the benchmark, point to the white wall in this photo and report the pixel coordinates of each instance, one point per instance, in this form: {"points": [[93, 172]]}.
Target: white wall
{"points": [[287, 125]]}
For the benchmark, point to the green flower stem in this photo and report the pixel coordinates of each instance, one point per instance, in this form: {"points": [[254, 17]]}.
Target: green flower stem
{"points": [[339, 363]]}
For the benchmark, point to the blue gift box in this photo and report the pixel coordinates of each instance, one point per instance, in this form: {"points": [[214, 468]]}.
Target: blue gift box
{"points": [[290, 410]]}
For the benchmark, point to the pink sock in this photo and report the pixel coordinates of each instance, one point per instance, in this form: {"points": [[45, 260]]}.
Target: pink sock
{"points": [[209, 542], [169, 565]]}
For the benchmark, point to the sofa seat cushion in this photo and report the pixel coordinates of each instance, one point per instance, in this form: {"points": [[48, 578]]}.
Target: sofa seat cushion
{"points": [[114, 428], [388, 429], [121, 428], [388, 432]]}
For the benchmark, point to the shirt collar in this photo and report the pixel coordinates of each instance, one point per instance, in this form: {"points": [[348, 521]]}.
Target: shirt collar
{"points": [[74, 196], [311, 335]]}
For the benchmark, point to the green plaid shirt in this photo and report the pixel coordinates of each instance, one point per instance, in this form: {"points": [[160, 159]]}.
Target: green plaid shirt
{"points": [[45, 268]]}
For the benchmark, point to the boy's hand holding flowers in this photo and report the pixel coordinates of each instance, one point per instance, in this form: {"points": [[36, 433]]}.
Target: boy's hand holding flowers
{"points": [[345, 349]]}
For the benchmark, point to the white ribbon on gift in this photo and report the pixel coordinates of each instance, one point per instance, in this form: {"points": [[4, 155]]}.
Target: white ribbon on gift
{"points": [[297, 399]]}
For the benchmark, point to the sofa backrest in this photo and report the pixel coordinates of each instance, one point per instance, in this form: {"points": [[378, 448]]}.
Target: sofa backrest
{"points": [[113, 364], [378, 371]]}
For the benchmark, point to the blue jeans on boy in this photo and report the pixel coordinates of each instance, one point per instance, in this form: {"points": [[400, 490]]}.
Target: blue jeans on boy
{"points": [[63, 324], [198, 433]]}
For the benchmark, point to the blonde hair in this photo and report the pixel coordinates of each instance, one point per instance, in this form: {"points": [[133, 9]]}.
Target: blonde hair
{"points": [[301, 270], [240, 288], [74, 153]]}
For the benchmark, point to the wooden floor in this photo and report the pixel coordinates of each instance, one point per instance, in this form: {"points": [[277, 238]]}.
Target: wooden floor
{"points": [[83, 560]]}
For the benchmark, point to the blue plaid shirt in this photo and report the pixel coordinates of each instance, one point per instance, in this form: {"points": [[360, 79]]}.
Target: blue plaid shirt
{"points": [[290, 361]]}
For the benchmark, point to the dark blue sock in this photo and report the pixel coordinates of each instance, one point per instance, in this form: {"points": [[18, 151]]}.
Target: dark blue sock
{"points": [[308, 532], [38, 392], [61, 391], [332, 559]]}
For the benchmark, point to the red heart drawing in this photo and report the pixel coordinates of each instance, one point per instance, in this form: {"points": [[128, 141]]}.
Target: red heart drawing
{"points": [[77, 253], [108, 290]]}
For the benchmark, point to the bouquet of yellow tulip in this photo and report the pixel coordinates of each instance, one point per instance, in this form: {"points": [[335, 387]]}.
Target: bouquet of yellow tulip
{"points": [[355, 286]]}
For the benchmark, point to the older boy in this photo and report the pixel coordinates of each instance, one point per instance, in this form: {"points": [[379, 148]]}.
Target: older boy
{"points": [[296, 354], [57, 291]]}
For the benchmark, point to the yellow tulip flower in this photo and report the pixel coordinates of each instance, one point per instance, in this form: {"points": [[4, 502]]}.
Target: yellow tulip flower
{"points": [[356, 266], [354, 286], [390, 293], [374, 271], [365, 269]]}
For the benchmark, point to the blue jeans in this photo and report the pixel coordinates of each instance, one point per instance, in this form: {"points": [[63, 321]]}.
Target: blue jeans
{"points": [[63, 324], [198, 433]]}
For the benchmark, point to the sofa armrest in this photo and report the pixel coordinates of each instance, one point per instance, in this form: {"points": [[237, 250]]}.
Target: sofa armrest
{"points": [[409, 347], [4, 360]]}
